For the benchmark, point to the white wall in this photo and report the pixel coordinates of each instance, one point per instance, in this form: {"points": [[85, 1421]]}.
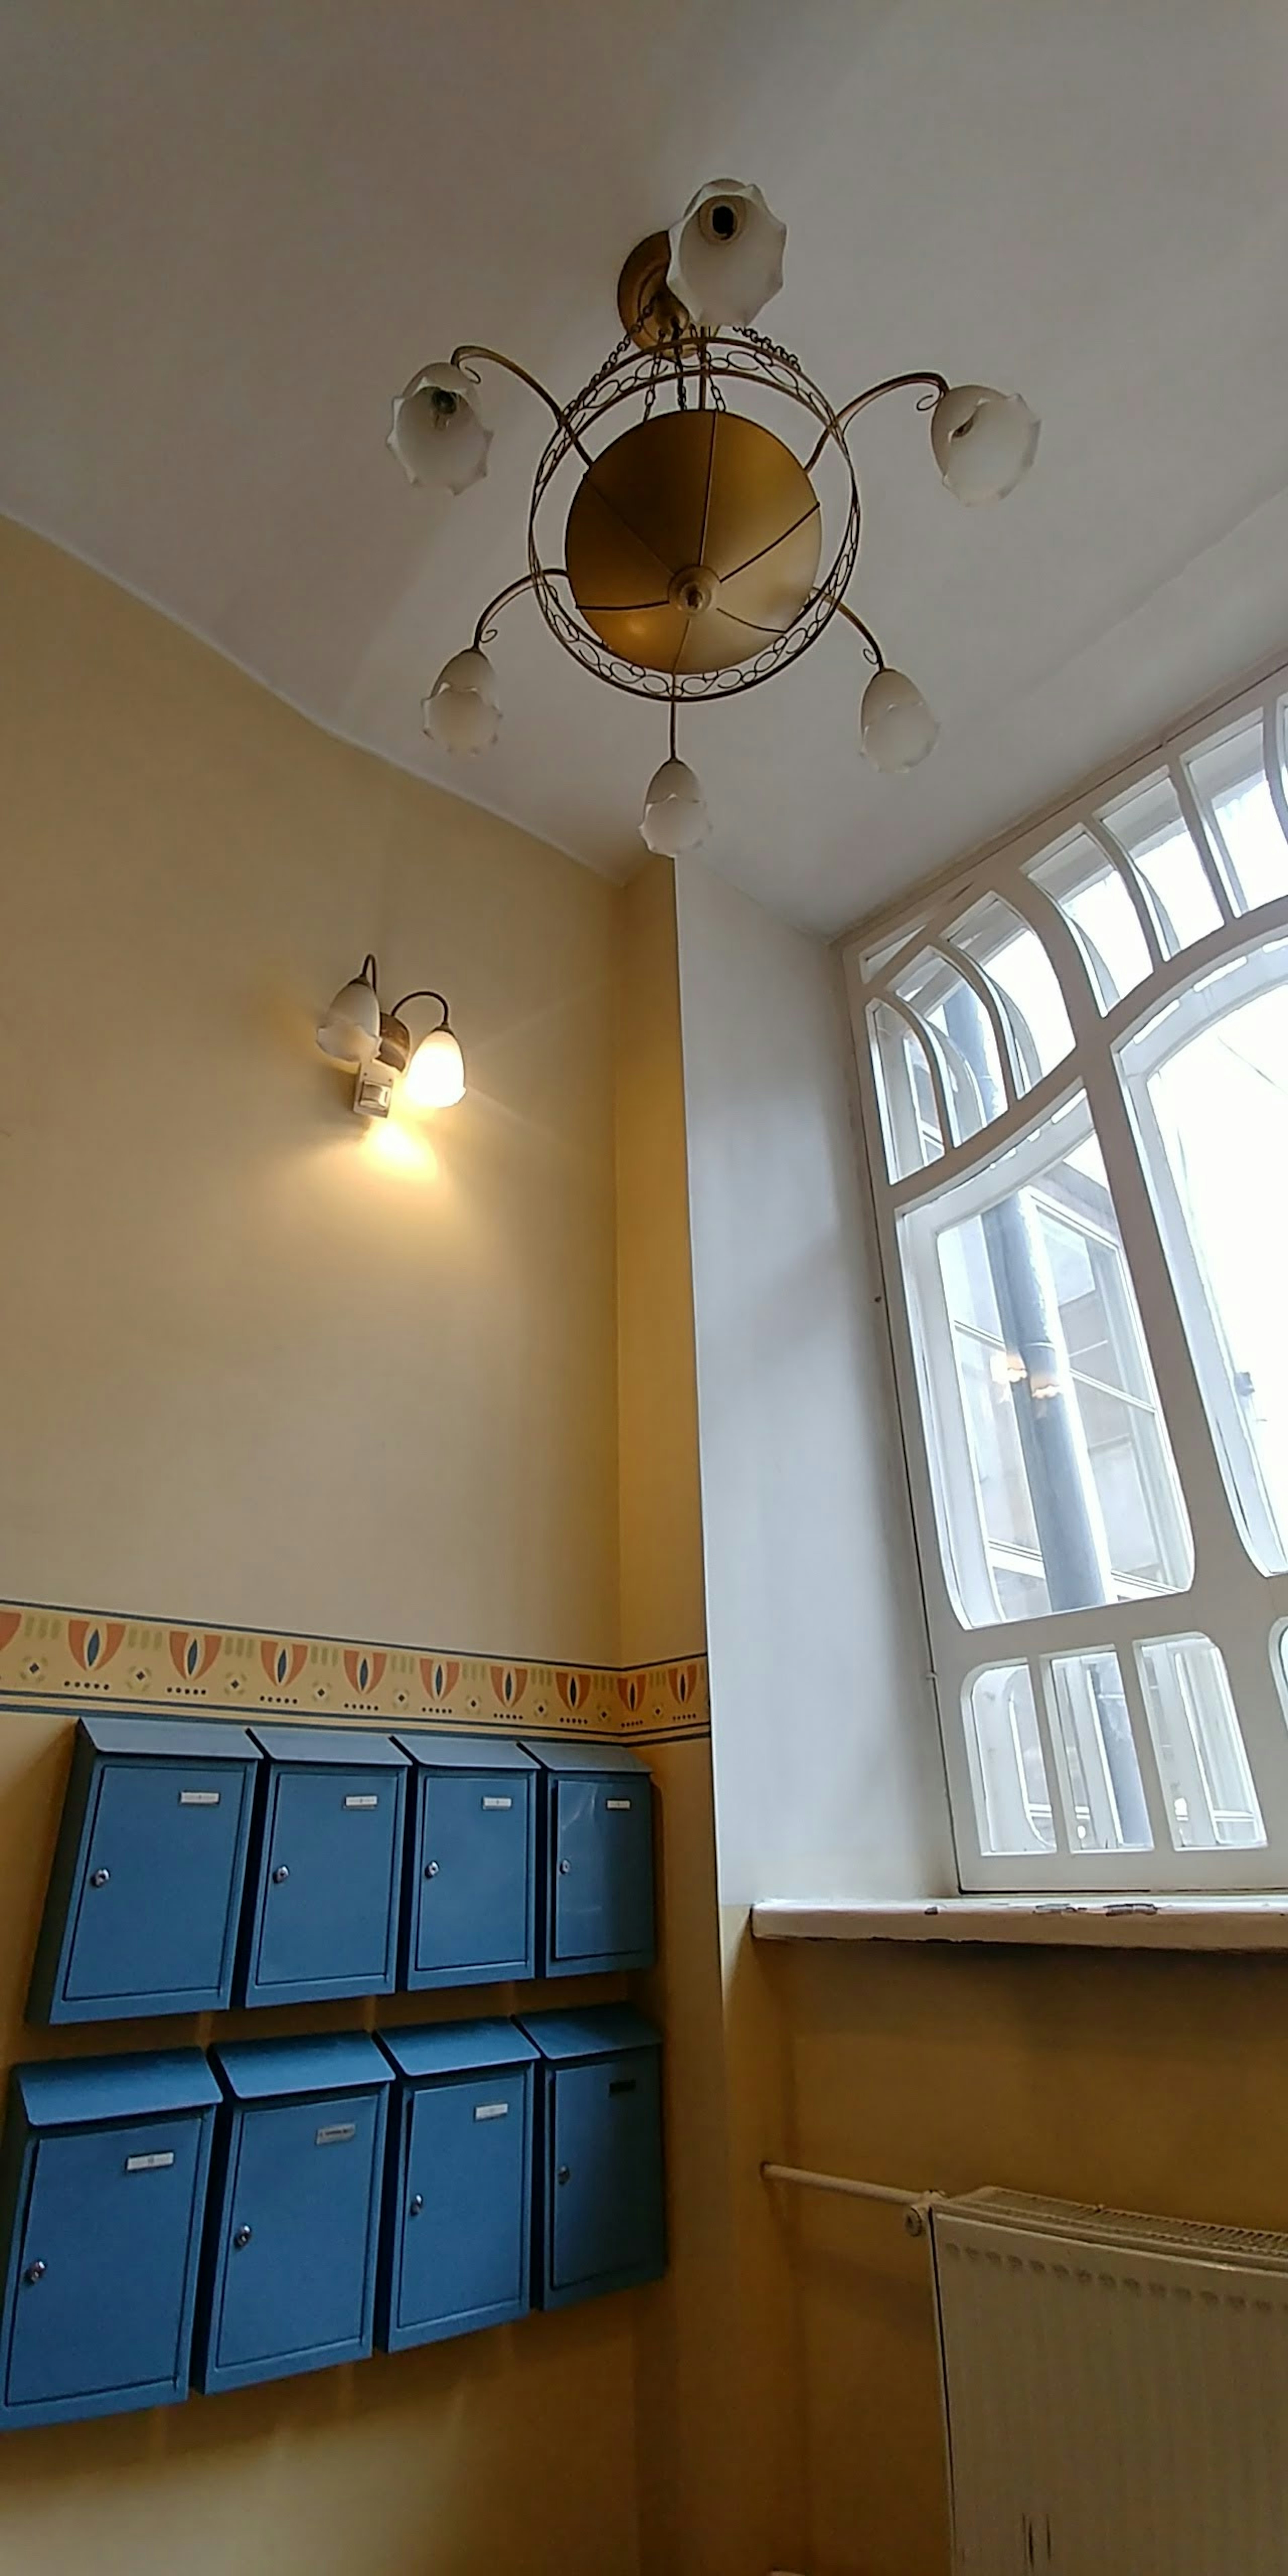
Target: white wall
{"points": [[827, 1765]]}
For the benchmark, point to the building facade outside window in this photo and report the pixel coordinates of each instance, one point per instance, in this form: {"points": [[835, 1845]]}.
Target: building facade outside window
{"points": [[1074, 1067]]}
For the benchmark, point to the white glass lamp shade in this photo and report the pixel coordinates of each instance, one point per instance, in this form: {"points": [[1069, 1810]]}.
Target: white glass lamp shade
{"points": [[436, 433], [726, 255], [675, 819], [463, 709], [435, 1078], [896, 726], [349, 1032], [984, 442]]}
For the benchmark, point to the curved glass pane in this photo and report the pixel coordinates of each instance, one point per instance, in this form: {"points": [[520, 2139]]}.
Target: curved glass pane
{"points": [[1004, 1751], [1094, 1738], [1229, 780], [1090, 892], [1012, 958], [961, 1029], [1150, 828], [1207, 1785], [1216, 1144], [1054, 1477], [905, 1094]]}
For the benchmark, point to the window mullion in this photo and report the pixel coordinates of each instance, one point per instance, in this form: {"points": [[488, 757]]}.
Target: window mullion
{"points": [[970, 974], [922, 1038], [1142, 1737], [1127, 876], [1272, 763], [1057, 1769], [1196, 826]]}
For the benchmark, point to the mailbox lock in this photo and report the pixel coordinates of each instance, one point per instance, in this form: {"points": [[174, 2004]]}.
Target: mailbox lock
{"points": [[417, 2204], [564, 1868], [99, 1877], [34, 2272], [431, 1869], [281, 1875], [564, 2174], [241, 2238]]}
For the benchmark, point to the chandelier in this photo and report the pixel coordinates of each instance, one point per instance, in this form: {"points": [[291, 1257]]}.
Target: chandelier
{"points": [[698, 553]]}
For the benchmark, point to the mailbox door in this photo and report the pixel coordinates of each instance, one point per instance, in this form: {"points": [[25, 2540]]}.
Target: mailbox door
{"points": [[602, 1852], [474, 1890], [295, 2268], [465, 2208], [605, 2183], [104, 2265], [158, 1886], [329, 1863]]}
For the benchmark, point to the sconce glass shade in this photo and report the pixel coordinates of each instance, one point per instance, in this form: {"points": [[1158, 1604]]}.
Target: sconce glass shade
{"points": [[983, 442], [675, 819], [896, 727], [726, 255], [435, 1078], [463, 709], [436, 433], [349, 1030]]}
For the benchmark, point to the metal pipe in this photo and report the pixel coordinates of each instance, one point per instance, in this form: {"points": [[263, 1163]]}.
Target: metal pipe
{"points": [[914, 2204]]}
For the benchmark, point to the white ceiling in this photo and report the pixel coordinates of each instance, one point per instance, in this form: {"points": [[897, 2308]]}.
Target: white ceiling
{"points": [[234, 227]]}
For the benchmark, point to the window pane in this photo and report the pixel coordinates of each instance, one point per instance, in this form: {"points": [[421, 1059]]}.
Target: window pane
{"points": [[1093, 1732], [1008, 1774], [960, 1027], [875, 960], [1149, 825], [1220, 1103], [1053, 1473], [1017, 966], [1229, 780], [905, 1094], [1211, 1802], [1099, 910]]}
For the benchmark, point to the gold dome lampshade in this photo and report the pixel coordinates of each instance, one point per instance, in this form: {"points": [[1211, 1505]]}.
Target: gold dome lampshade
{"points": [[686, 569], [692, 541]]}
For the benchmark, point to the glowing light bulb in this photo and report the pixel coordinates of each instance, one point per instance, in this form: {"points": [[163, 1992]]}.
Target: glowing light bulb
{"points": [[435, 1078]]}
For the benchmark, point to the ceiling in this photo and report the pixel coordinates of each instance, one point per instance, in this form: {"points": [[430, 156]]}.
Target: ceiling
{"points": [[235, 227]]}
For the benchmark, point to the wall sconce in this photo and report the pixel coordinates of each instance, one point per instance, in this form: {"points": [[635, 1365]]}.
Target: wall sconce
{"points": [[378, 1045]]}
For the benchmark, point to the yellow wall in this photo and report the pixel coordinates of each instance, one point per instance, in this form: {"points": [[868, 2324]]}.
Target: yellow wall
{"points": [[1155, 2083], [662, 1605], [260, 1370], [718, 2436], [268, 1372]]}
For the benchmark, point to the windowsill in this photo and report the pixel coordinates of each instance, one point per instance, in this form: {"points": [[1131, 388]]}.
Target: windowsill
{"points": [[1080, 1922]]}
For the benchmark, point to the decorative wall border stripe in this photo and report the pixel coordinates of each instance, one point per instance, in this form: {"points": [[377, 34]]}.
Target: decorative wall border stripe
{"points": [[48, 1655]]}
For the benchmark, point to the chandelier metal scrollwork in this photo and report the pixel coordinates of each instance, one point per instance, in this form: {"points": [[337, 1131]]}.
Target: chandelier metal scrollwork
{"points": [[698, 556]]}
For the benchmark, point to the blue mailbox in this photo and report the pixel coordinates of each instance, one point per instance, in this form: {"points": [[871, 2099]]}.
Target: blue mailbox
{"points": [[289, 2274], [458, 2198], [470, 1913], [102, 2190], [143, 1902], [595, 1860], [599, 2204], [326, 1866]]}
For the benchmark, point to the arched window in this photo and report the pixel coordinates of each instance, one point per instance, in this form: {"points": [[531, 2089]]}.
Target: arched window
{"points": [[1075, 1074]]}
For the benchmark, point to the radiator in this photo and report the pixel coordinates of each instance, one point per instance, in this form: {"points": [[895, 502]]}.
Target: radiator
{"points": [[1116, 2391]]}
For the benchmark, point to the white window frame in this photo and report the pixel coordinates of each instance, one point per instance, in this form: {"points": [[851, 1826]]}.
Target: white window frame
{"points": [[1229, 1600]]}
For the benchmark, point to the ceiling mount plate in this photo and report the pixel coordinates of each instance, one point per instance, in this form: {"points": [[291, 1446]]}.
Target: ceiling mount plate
{"points": [[649, 311]]}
